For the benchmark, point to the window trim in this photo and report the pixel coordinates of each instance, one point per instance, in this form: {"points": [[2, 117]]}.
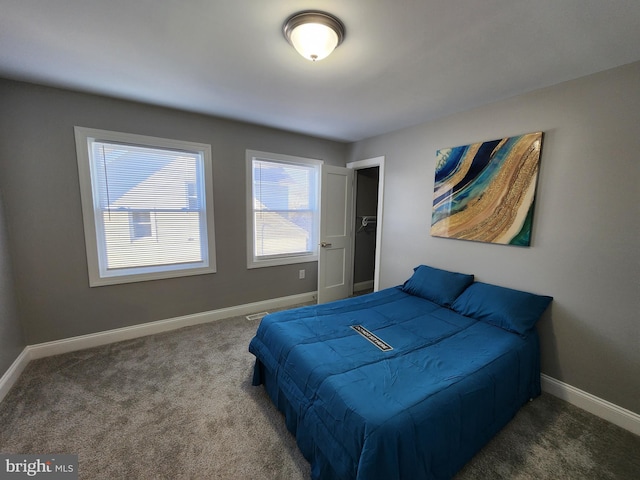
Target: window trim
{"points": [[285, 259], [83, 137]]}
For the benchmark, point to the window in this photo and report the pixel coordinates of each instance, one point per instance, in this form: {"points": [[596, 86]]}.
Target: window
{"points": [[140, 224], [282, 209], [147, 205]]}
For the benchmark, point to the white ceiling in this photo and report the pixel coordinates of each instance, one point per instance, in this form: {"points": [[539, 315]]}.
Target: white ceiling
{"points": [[402, 63]]}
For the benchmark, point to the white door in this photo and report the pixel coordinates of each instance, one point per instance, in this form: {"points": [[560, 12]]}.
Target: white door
{"points": [[336, 227]]}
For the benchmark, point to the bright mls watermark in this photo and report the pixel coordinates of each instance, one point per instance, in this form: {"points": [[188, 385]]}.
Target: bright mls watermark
{"points": [[49, 467]]}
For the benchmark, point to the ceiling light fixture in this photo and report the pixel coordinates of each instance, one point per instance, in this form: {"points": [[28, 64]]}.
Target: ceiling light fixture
{"points": [[313, 34]]}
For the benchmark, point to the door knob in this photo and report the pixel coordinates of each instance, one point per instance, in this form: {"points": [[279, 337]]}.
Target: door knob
{"points": [[325, 244]]}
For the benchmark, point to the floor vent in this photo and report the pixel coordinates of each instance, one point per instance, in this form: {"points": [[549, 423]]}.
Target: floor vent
{"points": [[256, 316]]}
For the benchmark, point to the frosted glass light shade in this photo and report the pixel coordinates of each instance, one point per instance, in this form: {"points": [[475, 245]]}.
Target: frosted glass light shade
{"points": [[313, 34], [314, 41]]}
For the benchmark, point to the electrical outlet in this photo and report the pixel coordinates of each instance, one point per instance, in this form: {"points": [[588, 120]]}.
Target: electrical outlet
{"points": [[301, 274]]}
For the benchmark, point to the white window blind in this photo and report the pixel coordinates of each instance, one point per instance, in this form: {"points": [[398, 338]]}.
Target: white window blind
{"points": [[284, 210], [148, 207]]}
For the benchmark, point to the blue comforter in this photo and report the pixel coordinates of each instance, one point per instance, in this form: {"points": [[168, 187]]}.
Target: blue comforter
{"points": [[418, 411]]}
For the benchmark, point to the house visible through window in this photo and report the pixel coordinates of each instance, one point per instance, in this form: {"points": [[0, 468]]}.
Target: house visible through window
{"points": [[282, 209], [147, 206]]}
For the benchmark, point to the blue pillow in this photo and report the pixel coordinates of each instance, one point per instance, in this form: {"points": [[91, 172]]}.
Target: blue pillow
{"points": [[439, 286], [512, 310]]}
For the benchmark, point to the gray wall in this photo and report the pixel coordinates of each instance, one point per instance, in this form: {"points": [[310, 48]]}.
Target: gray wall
{"points": [[11, 339], [39, 178], [586, 227], [584, 249]]}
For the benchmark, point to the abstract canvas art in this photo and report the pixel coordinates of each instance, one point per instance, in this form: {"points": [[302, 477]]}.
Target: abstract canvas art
{"points": [[486, 191]]}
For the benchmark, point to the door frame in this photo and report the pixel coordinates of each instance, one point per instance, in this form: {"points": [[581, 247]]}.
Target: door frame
{"points": [[359, 165]]}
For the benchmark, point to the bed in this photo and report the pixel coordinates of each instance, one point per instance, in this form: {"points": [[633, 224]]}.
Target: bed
{"points": [[404, 383]]}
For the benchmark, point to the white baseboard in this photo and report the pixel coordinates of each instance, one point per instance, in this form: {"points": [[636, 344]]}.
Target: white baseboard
{"points": [[47, 349], [13, 373], [601, 408], [592, 404], [366, 285], [127, 333]]}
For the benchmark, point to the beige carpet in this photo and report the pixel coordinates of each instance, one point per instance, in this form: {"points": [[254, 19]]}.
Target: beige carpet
{"points": [[180, 405]]}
